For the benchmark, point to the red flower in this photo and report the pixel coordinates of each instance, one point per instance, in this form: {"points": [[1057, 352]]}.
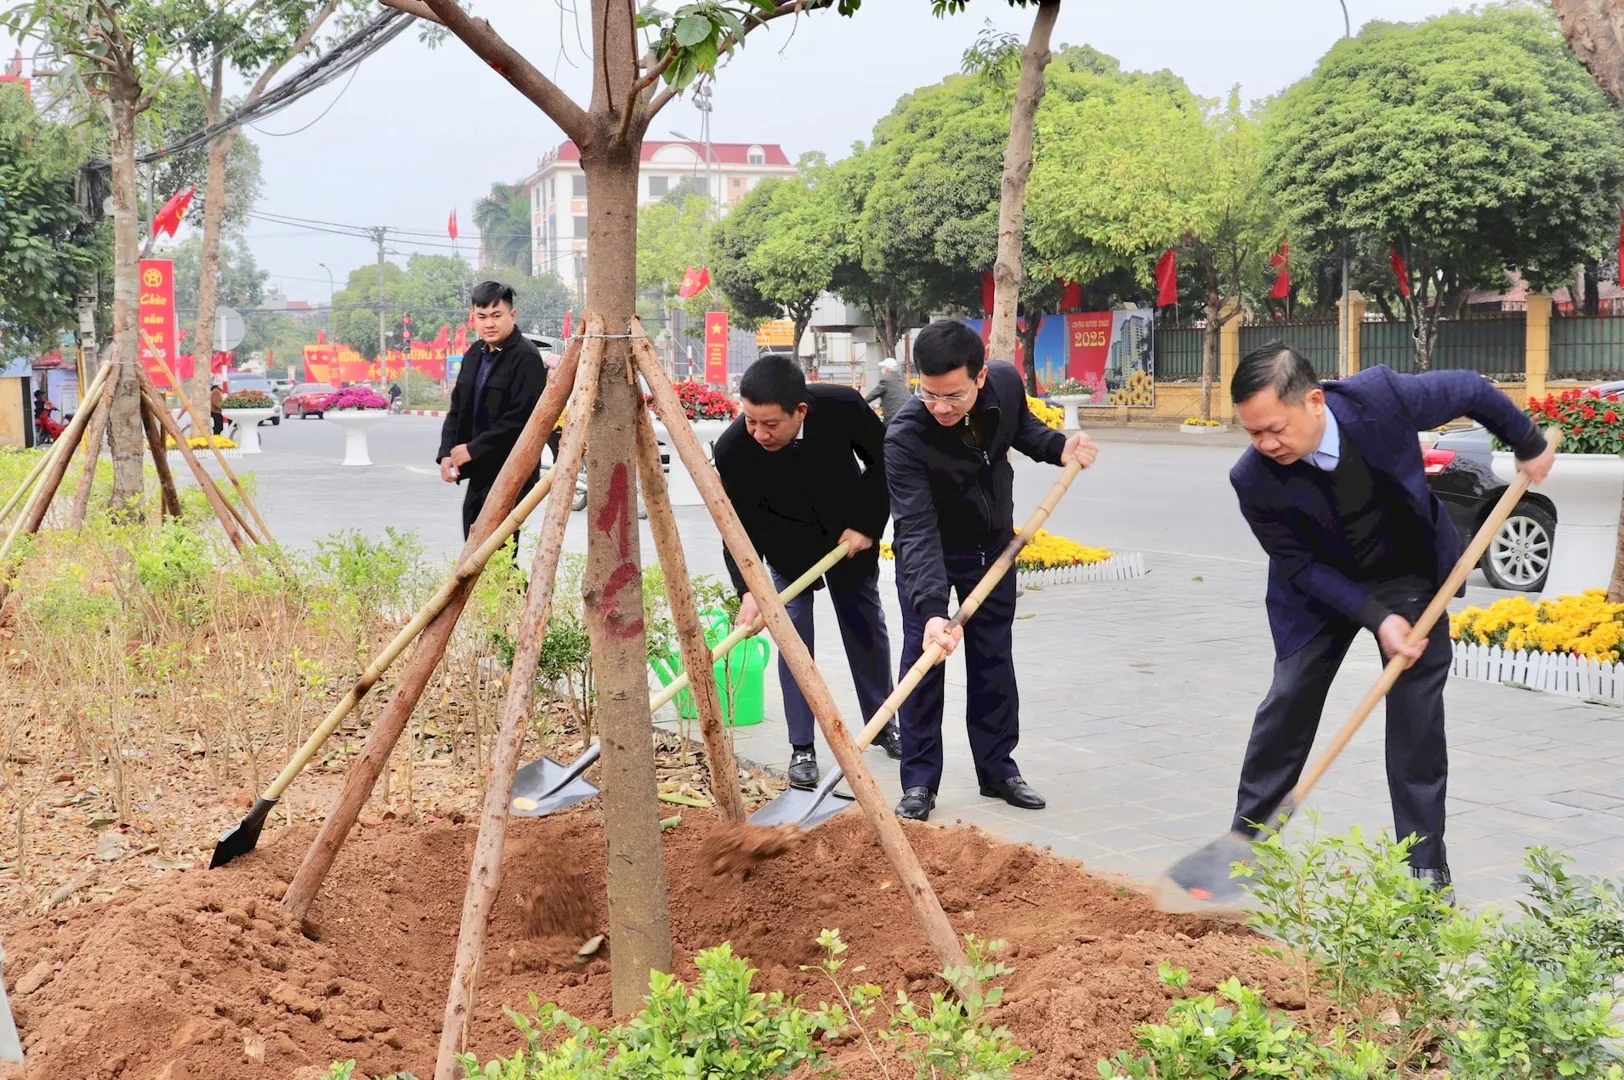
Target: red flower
{"points": [[1587, 412], [1612, 397], [1577, 430], [1610, 416]]}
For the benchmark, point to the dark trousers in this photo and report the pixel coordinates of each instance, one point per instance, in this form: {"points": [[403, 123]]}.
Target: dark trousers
{"points": [[868, 651], [219, 421], [1417, 753], [992, 713], [473, 501]]}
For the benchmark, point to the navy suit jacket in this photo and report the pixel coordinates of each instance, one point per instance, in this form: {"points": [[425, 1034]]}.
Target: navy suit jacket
{"points": [[1380, 412]]}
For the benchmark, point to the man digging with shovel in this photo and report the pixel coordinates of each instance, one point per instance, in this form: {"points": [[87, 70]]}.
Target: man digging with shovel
{"points": [[803, 468], [952, 497], [1334, 488]]}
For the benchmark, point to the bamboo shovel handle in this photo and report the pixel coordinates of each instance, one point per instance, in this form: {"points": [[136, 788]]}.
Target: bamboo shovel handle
{"points": [[1422, 628], [408, 634], [725, 646], [989, 581]]}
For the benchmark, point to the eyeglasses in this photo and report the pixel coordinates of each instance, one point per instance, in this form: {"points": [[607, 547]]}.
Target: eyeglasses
{"points": [[951, 399]]}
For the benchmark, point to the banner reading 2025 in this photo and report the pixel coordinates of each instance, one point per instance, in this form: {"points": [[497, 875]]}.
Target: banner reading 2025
{"points": [[155, 315]]}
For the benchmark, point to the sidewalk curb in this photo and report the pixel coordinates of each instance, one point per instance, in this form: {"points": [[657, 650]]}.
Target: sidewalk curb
{"points": [[421, 412]]}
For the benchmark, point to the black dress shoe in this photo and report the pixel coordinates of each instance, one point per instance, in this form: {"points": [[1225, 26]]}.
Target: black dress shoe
{"points": [[803, 769], [916, 804], [1438, 881], [890, 741], [1016, 792]]}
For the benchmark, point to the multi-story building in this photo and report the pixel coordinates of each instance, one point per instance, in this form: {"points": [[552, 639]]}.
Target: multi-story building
{"points": [[558, 196]]}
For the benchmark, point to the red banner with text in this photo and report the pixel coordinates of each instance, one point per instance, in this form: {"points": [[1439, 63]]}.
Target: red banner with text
{"points": [[155, 315], [716, 348], [1088, 345]]}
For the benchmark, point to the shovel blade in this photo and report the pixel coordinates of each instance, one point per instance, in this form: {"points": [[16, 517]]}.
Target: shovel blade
{"points": [[1203, 881], [798, 806], [544, 786], [240, 839]]}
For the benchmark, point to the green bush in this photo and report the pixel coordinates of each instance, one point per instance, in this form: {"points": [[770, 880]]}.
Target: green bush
{"points": [[956, 1038]]}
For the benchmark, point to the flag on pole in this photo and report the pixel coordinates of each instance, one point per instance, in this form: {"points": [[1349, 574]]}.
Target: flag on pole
{"points": [[1402, 272], [1167, 280], [1071, 296], [569, 318], [989, 290], [167, 219], [695, 281], [451, 225], [1282, 280]]}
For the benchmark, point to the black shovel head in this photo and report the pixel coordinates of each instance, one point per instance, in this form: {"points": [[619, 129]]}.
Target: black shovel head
{"points": [[1203, 881], [241, 838], [544, 786], [798, 806]]}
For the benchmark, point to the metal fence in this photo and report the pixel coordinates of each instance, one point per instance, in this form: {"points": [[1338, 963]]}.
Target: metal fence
{"points": [[1587, 348], [1493, 344], [1315, 339], [1178, 353]]}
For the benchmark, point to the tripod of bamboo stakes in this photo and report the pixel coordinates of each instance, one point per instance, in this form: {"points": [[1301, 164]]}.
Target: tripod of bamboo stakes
{"points": [[89, 428]]}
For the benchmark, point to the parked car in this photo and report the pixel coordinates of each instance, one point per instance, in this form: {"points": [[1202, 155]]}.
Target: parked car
{"points": [[238, 381], [307, 399], [1460, 471]]}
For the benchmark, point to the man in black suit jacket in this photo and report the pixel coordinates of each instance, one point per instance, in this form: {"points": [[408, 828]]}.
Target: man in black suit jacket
{"points": [[501, 380], [803, 468]]}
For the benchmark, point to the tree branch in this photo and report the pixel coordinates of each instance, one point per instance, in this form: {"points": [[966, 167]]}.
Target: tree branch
{"points": [[413, 7], [299, 45], [520, 73], [663, 98]]}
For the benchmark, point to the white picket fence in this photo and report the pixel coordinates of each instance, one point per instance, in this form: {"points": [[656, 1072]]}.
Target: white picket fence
{"points": [[1554, 673]]}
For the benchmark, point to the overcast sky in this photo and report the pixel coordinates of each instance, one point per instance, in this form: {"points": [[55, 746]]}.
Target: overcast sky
{"points": [[421, 131]]}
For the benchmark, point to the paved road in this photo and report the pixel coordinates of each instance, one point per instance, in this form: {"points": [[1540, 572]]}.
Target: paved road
{"points": [[1136, 696]]}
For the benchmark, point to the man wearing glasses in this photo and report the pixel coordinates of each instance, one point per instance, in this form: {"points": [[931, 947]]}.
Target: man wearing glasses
{"points": [[947, 467]]}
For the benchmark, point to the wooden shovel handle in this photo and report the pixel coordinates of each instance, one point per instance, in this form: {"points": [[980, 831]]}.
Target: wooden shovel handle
{"points": [[1422, 628]]}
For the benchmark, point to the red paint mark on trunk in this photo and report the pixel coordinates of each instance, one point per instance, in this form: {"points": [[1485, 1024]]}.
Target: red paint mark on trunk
{"points": [[618, 624], [617, 509]]}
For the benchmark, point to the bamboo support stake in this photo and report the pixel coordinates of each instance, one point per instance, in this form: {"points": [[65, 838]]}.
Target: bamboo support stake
{"points": [[206, 430], [364, 771], [160, 461], [696, 654], [155, 406], [887, 829], [51, 476], [97, 435], [485, 872]]}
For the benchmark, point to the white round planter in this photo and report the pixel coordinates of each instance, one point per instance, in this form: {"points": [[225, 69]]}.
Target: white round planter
{"points": [[355, 423], [679, 481], [1203, 429], [1069, 402], [248, 427], [1586, 489]]}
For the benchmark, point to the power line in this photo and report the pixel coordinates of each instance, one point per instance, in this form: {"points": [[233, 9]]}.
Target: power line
{"points": [[284, 134]]}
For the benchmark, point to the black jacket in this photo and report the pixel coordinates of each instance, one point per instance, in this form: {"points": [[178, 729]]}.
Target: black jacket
{"points": [[953, 492], [796, 502], [512, 389]]}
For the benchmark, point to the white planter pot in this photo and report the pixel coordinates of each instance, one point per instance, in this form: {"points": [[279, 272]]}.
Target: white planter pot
{"points": [[248, 427], [1586, 489], [1203, 429], [355, 423], [1069, 402], [678, 481]]}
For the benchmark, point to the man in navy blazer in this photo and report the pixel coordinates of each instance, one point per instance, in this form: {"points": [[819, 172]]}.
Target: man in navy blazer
{"points": [[1334, 488]]}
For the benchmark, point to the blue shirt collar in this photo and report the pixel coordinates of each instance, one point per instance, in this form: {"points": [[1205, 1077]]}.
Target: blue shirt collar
{"points": [[1329, 451]]}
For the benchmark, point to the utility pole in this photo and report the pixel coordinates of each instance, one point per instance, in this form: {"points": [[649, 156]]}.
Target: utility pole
{"points": [[378, 234]]}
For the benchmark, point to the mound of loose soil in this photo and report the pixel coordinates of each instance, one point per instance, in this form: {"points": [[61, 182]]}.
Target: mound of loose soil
{"points": [[202, 975]]}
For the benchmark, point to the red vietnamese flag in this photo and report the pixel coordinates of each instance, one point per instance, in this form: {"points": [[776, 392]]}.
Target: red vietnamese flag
{"points": [[1167, 284], [690, 283], [569, 317], [451, 225], [1282, 281], [1071, 296], [459, 341], [704, 279], [716, 347], [1400, 271], [167, 219], [989, 289]]}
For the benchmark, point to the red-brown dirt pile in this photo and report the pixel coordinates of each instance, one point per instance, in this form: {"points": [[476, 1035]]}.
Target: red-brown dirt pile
{"points": [[201, 974]]}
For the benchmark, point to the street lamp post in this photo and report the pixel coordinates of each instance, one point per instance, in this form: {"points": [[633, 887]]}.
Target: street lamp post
{"points": [[1346, 318]]}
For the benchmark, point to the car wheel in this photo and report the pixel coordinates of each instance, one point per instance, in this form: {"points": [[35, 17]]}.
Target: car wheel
{"points": [[1519, 556]]}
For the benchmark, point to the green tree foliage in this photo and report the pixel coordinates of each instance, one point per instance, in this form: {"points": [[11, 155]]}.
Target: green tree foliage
{"points": [[49, 251], [672, 235], [777, 249], [242, 282], [178, 111], [503, 218], [1474, 143]]}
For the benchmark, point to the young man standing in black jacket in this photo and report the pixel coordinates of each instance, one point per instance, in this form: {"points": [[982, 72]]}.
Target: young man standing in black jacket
{"points": [[501, 380], [947, 464], [803, 469]]}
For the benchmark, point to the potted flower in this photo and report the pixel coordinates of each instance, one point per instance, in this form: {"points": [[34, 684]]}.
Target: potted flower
{"points": [[1585, 485], [1068, 394], [355, 409], [247, 408], [1194, 425], [709, 411]]}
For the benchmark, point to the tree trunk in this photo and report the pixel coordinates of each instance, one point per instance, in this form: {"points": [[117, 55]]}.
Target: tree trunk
{"points": [[1424, 325], [1007, 272], [1592, 280], [1209, 352], [639, 916], [124, 428], [1595, 31], [214, 212], [1029, 345]]}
